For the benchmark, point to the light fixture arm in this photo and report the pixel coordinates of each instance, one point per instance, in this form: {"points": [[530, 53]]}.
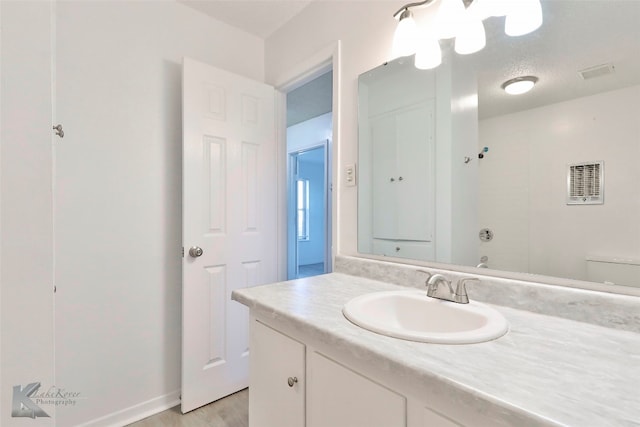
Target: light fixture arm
{"points": [[459, 19], [423, 3], [415, 4]]}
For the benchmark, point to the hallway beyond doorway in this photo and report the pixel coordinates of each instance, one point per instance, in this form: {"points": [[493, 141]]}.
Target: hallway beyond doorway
{"points": [[309, 170], [309, 270]]}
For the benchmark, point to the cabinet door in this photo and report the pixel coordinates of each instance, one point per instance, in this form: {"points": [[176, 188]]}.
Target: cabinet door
{"points": [[403, 179], [433, 419], [339, 397], [415, 189], [276, 362], [384, 179], [420, 416]]}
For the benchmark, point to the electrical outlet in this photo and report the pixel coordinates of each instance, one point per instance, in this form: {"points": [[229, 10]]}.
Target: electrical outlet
{"points": [[350, 175]]}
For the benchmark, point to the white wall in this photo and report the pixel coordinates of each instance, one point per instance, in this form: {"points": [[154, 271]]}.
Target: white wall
{"points": [[464, 176], [365, 32], [523, 192], [309, 133], [26, 226], [117, 199]]}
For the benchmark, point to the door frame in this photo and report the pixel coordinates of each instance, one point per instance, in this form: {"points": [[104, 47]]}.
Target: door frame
{"points": [[292, 241], [327, 59]]}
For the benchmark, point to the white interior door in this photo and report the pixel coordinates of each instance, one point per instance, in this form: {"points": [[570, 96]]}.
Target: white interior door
{"points": [[229, 213]]}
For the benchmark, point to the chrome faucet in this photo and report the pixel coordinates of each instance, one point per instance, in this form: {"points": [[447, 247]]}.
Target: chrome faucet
{"points": [[446, 292]]}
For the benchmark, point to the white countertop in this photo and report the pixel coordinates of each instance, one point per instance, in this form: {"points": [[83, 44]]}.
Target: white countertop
{"points": [[545, 370]]}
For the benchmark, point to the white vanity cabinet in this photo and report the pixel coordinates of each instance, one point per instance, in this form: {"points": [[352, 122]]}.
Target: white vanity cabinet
{"points": [[293, 383], [277, 372], [338, 396]]}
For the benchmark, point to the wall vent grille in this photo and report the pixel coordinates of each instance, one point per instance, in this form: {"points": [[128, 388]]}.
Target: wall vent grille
{"points": [[585, 183], [597, 71]]}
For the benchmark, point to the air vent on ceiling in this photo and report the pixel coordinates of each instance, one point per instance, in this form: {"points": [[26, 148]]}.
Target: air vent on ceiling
{"points": [[596, 71], [585, 183]]}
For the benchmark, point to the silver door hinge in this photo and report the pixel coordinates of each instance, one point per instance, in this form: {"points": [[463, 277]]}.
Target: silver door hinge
{"points": [[183, 252], [55, 289]]}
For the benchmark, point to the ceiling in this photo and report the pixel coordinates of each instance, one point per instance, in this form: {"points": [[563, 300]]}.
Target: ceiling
{"points": [[258, 17], [576, 34]]}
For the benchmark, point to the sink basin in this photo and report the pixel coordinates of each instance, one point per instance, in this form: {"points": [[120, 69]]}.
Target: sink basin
{"points": [[412, 315]]}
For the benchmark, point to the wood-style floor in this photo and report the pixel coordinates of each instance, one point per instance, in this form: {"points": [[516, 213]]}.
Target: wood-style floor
{"points": [[232, 411]]}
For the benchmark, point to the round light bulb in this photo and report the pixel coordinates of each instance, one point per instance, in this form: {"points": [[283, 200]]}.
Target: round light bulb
{"points": [[428, 54], [487, 8], [523, 17], [405, 37], [471, 37], [449, 18]]}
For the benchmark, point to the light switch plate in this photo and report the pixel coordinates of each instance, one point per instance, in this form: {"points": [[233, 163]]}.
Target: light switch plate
{"points": [[350, 175]]}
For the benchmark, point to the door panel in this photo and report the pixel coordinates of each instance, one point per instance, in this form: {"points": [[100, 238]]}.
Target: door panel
{"points": [[229, 211]]}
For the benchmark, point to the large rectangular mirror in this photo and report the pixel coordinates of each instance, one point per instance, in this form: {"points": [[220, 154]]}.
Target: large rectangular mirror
{"points": [[454, 170]]}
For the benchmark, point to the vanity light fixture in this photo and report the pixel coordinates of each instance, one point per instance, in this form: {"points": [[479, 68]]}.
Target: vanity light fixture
{"points": [[519, 85], [490, 8], [471, 37], [428, 53], [450, 18], [461, 19], [523, 18], [406, 36]]}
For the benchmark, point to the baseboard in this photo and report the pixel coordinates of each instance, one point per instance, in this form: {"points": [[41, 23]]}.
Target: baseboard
{"points": [[136, 412]]}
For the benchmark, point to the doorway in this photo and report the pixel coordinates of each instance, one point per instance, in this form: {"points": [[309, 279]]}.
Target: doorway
{"points": [[308, 212], [309, 133]]}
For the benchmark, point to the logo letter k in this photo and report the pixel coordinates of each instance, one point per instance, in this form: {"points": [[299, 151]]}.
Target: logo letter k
{"points": [[23, 406]]}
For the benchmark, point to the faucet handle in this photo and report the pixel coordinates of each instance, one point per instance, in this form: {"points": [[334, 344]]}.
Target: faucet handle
{"points": [[461, 290]]}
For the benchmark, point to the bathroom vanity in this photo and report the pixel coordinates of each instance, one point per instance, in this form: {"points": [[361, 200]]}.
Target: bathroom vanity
{"points": [[311, 367]]}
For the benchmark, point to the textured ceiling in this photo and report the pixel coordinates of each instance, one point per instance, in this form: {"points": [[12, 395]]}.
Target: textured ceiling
{"points": [[258, 17], [576, 34]]}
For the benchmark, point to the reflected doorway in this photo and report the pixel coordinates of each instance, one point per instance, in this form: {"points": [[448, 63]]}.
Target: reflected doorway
{"points": [[308, 212], [309, 171]]}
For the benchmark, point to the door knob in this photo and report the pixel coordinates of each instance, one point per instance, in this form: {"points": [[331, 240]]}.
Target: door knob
{"points": [[291, 381], [195, 251]]}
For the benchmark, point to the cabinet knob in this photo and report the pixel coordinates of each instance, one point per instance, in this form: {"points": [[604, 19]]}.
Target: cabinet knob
{"points": [[392, 179], [400, 178], [291, 381]]}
